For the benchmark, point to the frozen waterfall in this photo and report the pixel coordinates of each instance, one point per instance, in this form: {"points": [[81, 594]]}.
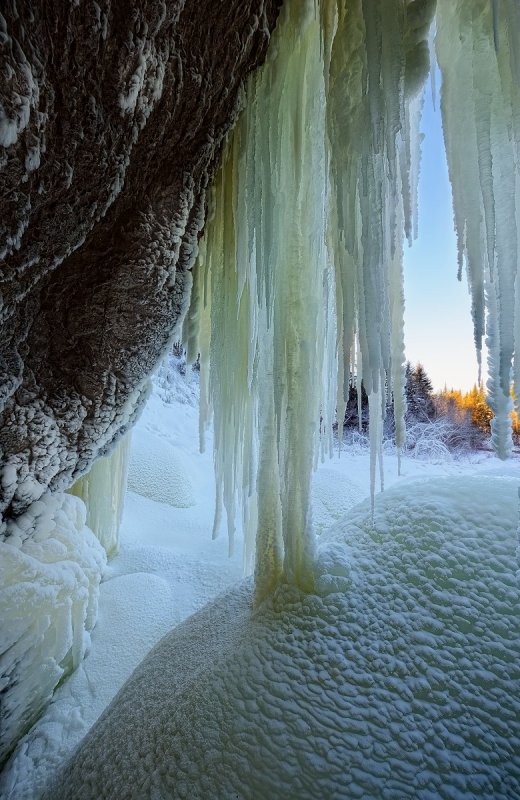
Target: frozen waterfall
{"points": [[299, 283]]}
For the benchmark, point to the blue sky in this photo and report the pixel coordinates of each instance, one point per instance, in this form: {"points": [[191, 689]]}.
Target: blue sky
{"points": [[438, 327]]}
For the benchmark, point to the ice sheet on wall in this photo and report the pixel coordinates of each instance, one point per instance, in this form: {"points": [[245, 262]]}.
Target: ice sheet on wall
{"points": [[102, 490], [51, 565]]}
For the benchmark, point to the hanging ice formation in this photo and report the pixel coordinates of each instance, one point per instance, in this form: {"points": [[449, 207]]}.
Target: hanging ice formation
{"points": [[298, 287], [478, 49], [102, 490], [302, 258]]}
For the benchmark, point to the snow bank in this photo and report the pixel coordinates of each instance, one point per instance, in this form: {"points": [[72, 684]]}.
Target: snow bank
{"points": [[157, 471], [48, 603], [397, 682]]}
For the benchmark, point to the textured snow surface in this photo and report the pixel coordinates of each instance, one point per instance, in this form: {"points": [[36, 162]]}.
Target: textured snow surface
{"points": [[157, 471], [402, 684], [48, 603]]}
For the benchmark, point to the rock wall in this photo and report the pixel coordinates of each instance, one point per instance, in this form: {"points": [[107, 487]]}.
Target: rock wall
{"points": [[112, 117]]}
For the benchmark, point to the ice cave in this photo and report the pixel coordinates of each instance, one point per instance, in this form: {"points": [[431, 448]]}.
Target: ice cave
{"points": [[242, 177]]}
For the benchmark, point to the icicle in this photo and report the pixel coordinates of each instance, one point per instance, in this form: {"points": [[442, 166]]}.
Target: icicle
{"points": [[481, 118], [433, 66], [496, 35], [272, 316], [375, 431], [359, 385], [102, 490], [379, 61], [499, 400], [303, 260]]}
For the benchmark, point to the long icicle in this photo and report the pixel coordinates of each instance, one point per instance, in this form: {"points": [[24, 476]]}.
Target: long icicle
{"points": [[304, 259], [478, 51]]}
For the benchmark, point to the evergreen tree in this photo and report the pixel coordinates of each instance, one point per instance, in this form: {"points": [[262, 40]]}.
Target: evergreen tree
{"points": [[481, 414], [419, 393]]}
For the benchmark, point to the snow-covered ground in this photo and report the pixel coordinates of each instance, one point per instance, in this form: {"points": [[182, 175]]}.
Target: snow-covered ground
{"points": [[169, 567]]}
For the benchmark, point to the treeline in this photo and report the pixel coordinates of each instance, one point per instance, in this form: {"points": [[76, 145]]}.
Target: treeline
{"points": [[470, 406], [426, 406], [420, 400]]}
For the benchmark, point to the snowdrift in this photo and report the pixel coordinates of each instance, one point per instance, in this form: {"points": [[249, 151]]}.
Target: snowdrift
{"points": [[156, 470], [398, 680]]}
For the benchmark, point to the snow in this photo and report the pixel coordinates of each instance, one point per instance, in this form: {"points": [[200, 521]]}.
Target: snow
{"points": [[168, 567], [157, 471], [395, 679], [48, 605]]}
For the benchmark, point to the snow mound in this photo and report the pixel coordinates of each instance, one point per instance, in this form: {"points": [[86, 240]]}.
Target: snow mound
{"points": [[48, 603], [400, 685], [333, 495], [156, 471]]}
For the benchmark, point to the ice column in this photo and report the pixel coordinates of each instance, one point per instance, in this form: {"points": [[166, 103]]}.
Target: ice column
{"points": [[267, 328]]}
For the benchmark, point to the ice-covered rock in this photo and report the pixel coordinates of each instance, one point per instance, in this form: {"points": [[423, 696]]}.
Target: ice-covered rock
{"points": [[49, 583], [105, 156]]}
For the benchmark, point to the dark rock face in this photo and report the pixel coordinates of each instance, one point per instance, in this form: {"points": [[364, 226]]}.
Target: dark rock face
{"points": [[112, 117]]}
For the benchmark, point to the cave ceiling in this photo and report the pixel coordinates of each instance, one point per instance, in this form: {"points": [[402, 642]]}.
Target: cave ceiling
{"points": [[112, 119]]}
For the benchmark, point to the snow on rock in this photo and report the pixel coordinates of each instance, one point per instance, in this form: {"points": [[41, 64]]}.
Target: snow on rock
{"points": [[157, 471], [50, 569], [398, 681]]}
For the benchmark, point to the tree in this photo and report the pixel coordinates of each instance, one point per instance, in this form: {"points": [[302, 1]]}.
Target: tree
{"points": [[481, 414], [419, 393]]}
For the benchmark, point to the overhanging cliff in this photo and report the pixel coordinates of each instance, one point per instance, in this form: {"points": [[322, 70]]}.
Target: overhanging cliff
{"points": [[112, 117]]}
